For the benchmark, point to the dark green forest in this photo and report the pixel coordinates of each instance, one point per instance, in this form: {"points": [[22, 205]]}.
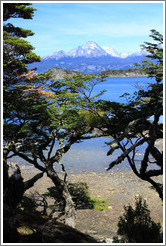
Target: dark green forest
{"points": [[130, 72]]}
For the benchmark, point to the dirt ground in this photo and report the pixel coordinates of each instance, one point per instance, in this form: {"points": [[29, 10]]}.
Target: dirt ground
{"points": [[118, 188]]}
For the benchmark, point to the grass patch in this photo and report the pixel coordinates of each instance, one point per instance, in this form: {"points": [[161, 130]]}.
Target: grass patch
{"points": [[80, 195], [98, 204]]}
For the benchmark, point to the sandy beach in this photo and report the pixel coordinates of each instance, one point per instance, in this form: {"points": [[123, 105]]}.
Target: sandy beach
{"points": [[118, 188]]}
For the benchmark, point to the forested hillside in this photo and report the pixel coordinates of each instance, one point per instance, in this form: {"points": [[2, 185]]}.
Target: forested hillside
{"points": [[130, 72]]}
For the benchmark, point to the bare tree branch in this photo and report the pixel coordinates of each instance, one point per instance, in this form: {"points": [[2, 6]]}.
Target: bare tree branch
{"points": [[29, 183], [34, 162], [125, 154], [51, 148]]}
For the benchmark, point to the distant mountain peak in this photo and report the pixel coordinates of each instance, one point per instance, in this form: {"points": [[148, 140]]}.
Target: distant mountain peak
{"points": [[111, 51], [56, 55], [91, 49], [90, 44], [90, 58], [88, 49]]}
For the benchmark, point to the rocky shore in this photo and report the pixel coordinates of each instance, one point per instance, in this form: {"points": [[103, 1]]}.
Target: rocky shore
{"points": [[118, 188]]}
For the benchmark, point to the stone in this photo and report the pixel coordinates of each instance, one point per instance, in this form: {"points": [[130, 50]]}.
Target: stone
{"points": [[108, 240], [111, 189], [91, 232]]}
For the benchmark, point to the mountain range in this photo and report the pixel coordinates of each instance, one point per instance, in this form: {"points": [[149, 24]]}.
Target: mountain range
{"points": [[89, 58]]}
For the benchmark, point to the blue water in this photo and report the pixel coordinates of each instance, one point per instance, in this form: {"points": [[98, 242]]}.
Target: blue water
{"points": [[88, 156], [91, 155], [115, 87]]}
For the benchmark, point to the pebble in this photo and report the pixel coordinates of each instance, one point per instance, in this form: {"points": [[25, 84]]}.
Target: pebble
{"points": [[111, 189], [91, 232], [108, 240], [118, 189], [105, 240]]}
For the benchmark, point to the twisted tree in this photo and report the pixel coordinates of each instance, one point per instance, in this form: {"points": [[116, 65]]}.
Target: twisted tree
{"points": [[64, 123], [137, 123]]}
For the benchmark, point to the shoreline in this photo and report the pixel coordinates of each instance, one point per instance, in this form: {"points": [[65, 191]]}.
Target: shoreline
{"points": [[118, 188], [127, 76], [80, 169]]}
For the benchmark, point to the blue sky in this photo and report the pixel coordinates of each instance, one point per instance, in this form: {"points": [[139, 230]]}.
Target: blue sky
{"points": [[64, 26]]}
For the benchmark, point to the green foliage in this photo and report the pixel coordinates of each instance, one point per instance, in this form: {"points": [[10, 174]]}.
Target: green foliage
{"points": [[19, 10], [73, 98], [91, 118], [19, 103], [129, 123], [98, 204], [136, 225], [155, 52], [27, 204], [17, 52], [80, 196]]}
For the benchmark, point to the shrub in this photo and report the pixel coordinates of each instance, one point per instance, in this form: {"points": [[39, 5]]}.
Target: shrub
{"points": [[80, 195], [27, 204], [136, 225]]}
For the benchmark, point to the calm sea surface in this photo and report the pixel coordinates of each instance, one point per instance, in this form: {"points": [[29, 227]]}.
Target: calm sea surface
{"points": [[115, 87], [91, 155]]}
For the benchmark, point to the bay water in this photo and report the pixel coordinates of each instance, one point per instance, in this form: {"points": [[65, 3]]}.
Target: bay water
{"points": [[91, 155]]}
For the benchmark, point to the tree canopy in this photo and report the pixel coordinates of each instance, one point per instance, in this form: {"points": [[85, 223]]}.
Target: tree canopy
{"points": [[19, 10], [38, 114], [137, 123], [17, 52], [64, 122], [154, 67]]}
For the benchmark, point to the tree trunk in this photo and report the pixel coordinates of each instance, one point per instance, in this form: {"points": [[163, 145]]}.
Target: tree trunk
{"points": [[12, 194], [69, 210], [5, 172], [14, 188], [156, 187]]}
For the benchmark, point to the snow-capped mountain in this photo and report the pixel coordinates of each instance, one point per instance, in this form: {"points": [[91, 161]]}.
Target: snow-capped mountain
{"points": [[89, 58], [114, 53], [91, 49], [139, 53], [111, 51], [56, 55], [88, 49]]}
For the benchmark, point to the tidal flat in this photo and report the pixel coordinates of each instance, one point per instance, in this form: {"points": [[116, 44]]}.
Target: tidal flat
{"points": [[118, 188]]}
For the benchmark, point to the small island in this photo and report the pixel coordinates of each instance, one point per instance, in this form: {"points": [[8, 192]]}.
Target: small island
{"points": [[130, 72], [61, 73]]}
